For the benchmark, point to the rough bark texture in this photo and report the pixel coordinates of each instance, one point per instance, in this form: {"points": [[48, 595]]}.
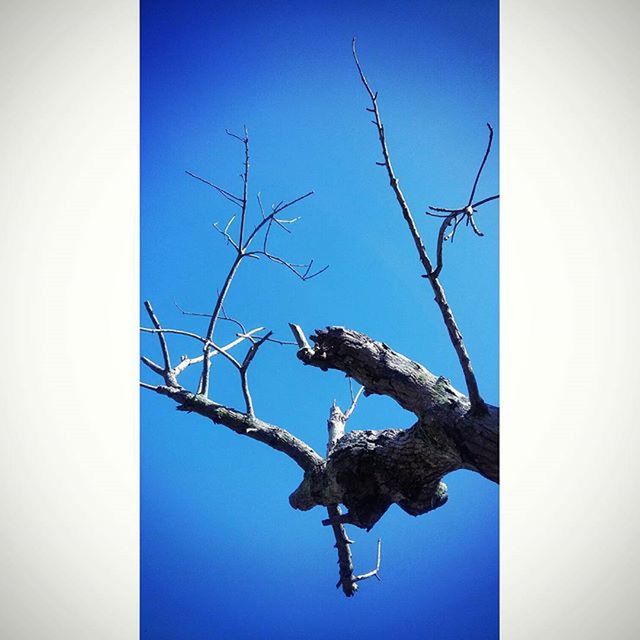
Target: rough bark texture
{"points": [[243, 424], [367, 471]]}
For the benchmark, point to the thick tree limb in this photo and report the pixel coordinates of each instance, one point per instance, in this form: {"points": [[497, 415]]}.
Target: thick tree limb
{"points": [[381, 370], [470, 441]]}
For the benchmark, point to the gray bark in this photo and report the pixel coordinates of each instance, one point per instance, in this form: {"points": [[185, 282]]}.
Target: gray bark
{"points": [[369, 470]]}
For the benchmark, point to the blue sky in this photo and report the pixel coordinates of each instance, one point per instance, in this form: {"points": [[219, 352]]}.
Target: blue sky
{"points": [[223, 554]]}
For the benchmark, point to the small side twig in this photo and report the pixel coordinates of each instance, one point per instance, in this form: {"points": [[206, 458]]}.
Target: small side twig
{"points": [[375, 572], [244, 368], [456, 216]]}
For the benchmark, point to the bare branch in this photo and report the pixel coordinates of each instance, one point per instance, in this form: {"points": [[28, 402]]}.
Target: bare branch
{"points": [[235, 135], [227, 318], [259, 198], [335, 426], [281, 207], [206, 367], [464, 213], [477, 403], [223, 192], [375, 572], [245, 185], [251, 353], [299, 336], [266, 220], [178, 332], [472, 222], [275, 437], [187, 362], [156, 368], [162, 339], [347, 580], [253, 350], [484, 161], [225, 233], [475, 205], [208, 345], [223, 316], [381, 370], [345, 561], [294, 268], [354, 402]]}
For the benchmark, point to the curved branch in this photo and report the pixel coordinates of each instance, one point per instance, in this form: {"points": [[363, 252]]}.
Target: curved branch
{"points": [[243, 424], [381, 370], [484, 161]]}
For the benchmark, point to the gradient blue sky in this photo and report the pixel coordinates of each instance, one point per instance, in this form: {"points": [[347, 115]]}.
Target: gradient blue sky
{"points": [[223, 554]]}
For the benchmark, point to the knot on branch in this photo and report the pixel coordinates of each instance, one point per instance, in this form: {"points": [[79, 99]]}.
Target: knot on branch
{"points": [[368, 471]]}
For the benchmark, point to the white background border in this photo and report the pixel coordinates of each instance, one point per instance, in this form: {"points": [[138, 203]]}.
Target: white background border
{"points": [[569, 270]]}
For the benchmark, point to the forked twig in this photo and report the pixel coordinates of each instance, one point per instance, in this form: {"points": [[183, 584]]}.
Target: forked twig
{"points": [[456, 216]]}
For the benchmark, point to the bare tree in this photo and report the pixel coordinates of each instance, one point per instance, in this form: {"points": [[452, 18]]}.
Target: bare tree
{"points": [[366, 471]]}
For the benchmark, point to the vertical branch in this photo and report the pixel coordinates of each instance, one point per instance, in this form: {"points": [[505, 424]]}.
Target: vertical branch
{"points": [[244, 368], [206, 363], [335, 426], [484, 161], [478, 405], [345, 560], [161, 336], [347, 579], [245, 185]]}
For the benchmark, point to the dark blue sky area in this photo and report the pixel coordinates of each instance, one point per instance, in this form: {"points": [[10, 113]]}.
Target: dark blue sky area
{"points": [[223, 554]]}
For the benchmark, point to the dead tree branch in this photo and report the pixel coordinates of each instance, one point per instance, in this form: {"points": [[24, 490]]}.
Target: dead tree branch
{"points": [[365, 470], [433, 400], [243, 424], [242, 249], [477, 403], [347, 580], [456, 216]]}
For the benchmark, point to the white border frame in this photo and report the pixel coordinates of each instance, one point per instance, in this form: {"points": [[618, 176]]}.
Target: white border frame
{"points": [[69, 203]]}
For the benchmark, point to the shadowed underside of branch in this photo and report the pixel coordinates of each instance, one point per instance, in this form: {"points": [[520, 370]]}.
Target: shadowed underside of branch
{"points": [[369, 470]]}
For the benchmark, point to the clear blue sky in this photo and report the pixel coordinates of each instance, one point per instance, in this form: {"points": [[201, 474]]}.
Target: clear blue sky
{"points": [[223, 554]]}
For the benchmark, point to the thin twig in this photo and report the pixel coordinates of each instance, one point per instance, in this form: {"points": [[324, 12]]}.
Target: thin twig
{"points": [[354, 402], [161, 337], [225, 233], [223, 192], [375, 572], [484, 161], [156, 368], [458, 215], [187, 362], [251, 353], [208, 344], [245, 185]]}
